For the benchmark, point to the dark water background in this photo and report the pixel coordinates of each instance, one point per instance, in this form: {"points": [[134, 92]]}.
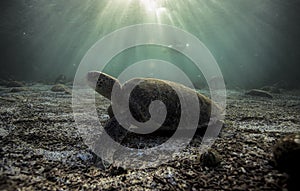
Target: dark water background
{"points": [[255, 42]]}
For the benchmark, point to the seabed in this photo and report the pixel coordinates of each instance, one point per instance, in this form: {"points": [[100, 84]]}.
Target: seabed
{"points": [[41, 149]]}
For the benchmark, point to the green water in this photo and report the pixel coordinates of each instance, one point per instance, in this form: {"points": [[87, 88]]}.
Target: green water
{"points": [[254, 42]]}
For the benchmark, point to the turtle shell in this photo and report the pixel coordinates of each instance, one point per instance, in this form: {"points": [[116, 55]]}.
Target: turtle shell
{"points": [[147, 90]]}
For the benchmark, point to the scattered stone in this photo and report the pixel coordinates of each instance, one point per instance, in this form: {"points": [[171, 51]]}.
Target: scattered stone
{"points": [[259, 93], [210, 158], [287, 154], [15, 84], [61, 88]]}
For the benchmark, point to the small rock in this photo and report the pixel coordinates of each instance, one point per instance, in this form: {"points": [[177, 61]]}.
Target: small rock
{"points": [[18, 89], [260, 93], [58, 88], [287, 154], [210, 158], [61, 88]]}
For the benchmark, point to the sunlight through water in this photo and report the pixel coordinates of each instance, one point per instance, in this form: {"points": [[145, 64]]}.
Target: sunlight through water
{"points": [[242, 35], [155, 8]]}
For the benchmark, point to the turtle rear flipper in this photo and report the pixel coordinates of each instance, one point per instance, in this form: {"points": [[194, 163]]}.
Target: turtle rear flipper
{"points": [[115, 130]]}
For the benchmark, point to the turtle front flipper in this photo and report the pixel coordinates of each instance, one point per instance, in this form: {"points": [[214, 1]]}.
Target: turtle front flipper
{"points": [[132, 140], [110, 112]]}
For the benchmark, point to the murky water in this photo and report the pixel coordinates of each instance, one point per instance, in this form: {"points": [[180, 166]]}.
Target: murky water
{"points": [[254, 42]]}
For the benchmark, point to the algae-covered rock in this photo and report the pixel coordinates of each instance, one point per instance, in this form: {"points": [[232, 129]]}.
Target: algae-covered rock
{"points": [[259, 93]]}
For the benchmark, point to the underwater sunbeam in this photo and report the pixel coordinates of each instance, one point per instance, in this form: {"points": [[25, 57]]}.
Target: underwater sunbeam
{"points": [[151, 5]]}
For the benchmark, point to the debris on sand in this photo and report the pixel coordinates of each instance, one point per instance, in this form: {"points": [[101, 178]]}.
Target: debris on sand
{"points": [[259, 93]]}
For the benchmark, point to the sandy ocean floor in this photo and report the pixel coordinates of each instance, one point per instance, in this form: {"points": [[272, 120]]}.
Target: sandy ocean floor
{"points": [[41, 149]]}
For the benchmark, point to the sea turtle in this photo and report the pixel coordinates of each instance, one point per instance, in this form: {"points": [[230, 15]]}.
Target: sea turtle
{"points": [[148, 90]]}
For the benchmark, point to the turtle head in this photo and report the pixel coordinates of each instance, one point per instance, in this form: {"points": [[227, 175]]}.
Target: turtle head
{"points": [[102, 83]]}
